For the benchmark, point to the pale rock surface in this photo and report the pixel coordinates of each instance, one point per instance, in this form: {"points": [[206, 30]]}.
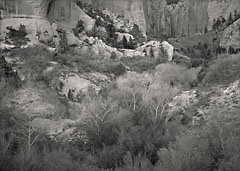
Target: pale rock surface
{"points": [[132, 53], [158, 48], [97, 48], [33, 26], [74, 82], [4, 46], [120, 36], [169, 49]]}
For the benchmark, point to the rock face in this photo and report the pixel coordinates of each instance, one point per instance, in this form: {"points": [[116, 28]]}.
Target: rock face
{"points": [[60, 11], [156, 17], [131, 9], [42, 18], [193, 16], [159, 19]]}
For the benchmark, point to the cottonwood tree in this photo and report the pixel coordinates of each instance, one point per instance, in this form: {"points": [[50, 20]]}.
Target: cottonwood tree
{"points": [[25, 131], [5, 143], [101, 117], [157, 98], [132, 87]]}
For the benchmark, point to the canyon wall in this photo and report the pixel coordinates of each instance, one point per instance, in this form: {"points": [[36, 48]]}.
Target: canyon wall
{"points": [[131, 9], [14, 8], [155, 17], [62, 11], [187, 17], [42, 18], [158, 19]]}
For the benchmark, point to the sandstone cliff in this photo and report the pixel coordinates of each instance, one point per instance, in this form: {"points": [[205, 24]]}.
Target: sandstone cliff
{"points": [[159, 18], [42, 18]]}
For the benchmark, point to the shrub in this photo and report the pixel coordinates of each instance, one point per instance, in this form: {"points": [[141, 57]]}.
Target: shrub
{"points": [[110, 157], [223, 70], [9, 80], [140, 64], [79, 28], [176, 75], [190, 152], [63, 43], [18, 37]]}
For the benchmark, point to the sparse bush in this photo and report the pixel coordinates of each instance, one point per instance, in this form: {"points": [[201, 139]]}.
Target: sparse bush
{"points": [[113, 55], [63, 43]]}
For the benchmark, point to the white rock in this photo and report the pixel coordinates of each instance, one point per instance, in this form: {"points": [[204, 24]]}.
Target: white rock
{"points": [[169, 49], [74, 82], [4, 46]]}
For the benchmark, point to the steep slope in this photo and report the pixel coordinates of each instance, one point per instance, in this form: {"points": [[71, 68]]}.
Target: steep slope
{"points": [[231, 36]]}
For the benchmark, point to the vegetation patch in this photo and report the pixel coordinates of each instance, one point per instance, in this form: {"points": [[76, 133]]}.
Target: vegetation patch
{"points": [[223, 70], [17, 36]]}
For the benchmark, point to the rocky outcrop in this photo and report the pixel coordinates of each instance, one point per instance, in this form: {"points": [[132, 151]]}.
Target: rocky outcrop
{"points": [[96, 48], [157, 49]]}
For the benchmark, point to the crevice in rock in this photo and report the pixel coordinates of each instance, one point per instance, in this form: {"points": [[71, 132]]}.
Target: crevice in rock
{"points": [[49, 7]]}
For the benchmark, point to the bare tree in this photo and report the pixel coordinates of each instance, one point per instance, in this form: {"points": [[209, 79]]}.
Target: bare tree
{"points": [[157, 99], [99, 112]]}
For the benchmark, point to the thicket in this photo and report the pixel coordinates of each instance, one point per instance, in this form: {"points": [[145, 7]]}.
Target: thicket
{"points": [[223, 70], [169, 2], [129, 125], [125, 125]]}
